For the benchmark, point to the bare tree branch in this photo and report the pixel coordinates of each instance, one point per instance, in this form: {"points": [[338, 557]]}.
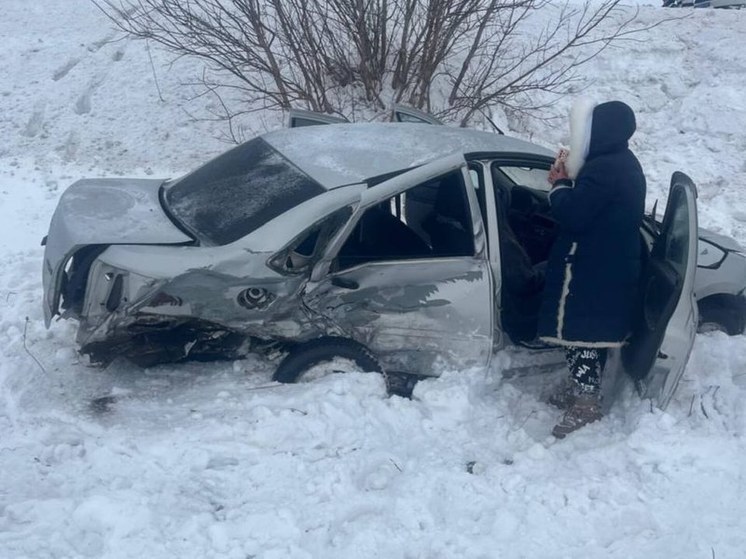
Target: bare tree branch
{"points": [[336, 56]]}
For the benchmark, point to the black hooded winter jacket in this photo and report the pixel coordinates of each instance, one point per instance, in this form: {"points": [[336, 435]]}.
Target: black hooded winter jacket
{"points": [[593, 272]]}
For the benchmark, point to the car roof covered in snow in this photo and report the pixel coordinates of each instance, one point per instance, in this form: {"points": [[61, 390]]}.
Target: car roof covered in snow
{"points": [[340, 154]]}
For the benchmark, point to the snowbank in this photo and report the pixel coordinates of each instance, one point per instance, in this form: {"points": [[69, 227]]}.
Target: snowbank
{"points": [[216, 461]]}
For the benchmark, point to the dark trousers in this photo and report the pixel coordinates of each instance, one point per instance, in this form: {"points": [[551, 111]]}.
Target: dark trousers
{"points": [[585, 366]]}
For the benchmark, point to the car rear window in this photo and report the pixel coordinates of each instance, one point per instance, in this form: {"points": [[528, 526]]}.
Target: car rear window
{"points": [[238, 192]]}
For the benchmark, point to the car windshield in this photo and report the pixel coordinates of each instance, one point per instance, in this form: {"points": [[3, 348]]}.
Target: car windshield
{"points": [[238, 192], [532, 177]]}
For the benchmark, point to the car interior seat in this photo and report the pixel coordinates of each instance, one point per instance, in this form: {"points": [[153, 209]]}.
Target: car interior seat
{"points": [[449, 224], [523, 282], [520, 276], [381, 235]]}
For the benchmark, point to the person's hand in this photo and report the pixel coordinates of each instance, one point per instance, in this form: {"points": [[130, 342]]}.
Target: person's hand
{"points": [[557, 172]]}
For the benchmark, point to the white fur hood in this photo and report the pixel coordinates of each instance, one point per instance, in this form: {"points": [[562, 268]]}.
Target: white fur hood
{"points": [[581, 123], [597, 129]]}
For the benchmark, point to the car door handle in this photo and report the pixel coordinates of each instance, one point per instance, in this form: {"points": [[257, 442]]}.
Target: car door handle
{"points": [[345, 283]]}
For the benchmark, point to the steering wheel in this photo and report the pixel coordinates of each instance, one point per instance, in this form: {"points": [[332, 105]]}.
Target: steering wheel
{"points": [[523, 202]]}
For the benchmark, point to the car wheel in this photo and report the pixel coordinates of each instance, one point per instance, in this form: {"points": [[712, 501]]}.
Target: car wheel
{"points": [[309, 359], [723, 314]]}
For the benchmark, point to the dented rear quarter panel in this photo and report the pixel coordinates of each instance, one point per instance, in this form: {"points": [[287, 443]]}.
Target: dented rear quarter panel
{"points": [[209, 281], [210, 290]]}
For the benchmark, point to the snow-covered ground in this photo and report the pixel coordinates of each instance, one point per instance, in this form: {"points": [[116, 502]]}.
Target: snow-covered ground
{"points": [[216, 461]]}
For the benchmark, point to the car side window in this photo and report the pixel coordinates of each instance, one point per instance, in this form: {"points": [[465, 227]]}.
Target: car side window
{"points": [[429, 220], [306, 249], [674, 247]]}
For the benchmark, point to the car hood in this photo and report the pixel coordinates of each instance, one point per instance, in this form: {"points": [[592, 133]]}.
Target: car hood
{"points": [[103, 212]]}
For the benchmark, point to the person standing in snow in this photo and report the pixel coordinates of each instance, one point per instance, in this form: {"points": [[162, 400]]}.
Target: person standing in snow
{"points": [[592, 277]]}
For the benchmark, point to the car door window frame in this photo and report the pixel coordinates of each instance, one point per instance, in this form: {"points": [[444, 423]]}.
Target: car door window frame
{"points": [[326, 229], [312, 118], [397, 185], [488, 160], [402, 113]]}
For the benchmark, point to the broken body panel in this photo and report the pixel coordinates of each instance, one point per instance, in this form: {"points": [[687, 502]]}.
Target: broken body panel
{"points": [[138, 297], [102, 212]]}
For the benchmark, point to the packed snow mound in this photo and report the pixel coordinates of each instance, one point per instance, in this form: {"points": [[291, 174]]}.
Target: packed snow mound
{"points": [[217, 461]]}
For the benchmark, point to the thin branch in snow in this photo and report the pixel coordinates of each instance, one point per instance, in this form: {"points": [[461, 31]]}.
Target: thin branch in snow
{"points": [[525, 421], [263, 386], [155, 76], [702, 407], [25, 329]]}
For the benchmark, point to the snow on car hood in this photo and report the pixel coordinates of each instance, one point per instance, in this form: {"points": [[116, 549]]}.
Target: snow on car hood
{"points": [[103, 212]]}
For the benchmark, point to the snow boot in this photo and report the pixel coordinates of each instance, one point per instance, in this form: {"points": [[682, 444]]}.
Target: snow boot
{"points": [[584, 410], [564, 396]]}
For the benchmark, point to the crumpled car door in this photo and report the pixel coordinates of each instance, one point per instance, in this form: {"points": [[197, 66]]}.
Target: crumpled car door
{"points": [[667, 323], [418, 315]]}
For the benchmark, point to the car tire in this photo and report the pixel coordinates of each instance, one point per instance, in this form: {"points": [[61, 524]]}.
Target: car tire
{"points": [[724, 314], [305, 356]]}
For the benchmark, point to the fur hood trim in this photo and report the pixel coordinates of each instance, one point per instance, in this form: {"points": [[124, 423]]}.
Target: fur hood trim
{"points": [[581, 123]]}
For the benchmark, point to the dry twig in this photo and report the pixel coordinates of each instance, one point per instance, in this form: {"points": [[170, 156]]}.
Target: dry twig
{"points": [[330, 55], [26, 349]]}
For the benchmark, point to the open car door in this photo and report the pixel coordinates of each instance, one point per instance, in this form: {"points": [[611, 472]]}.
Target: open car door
{"points": [[409, 276], [667, 320], [299, 118]]}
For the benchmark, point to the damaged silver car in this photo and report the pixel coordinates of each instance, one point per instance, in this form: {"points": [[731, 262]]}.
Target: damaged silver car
{"points": [[407, 248]]}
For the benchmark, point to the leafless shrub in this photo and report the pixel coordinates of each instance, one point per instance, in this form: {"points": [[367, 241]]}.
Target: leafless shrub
{"points": [[319, 54]]}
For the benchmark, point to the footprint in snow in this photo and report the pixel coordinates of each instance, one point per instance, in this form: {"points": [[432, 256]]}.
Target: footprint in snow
{"points": [[65, 69], [35, 123], [83, 104], [96, 45]]}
